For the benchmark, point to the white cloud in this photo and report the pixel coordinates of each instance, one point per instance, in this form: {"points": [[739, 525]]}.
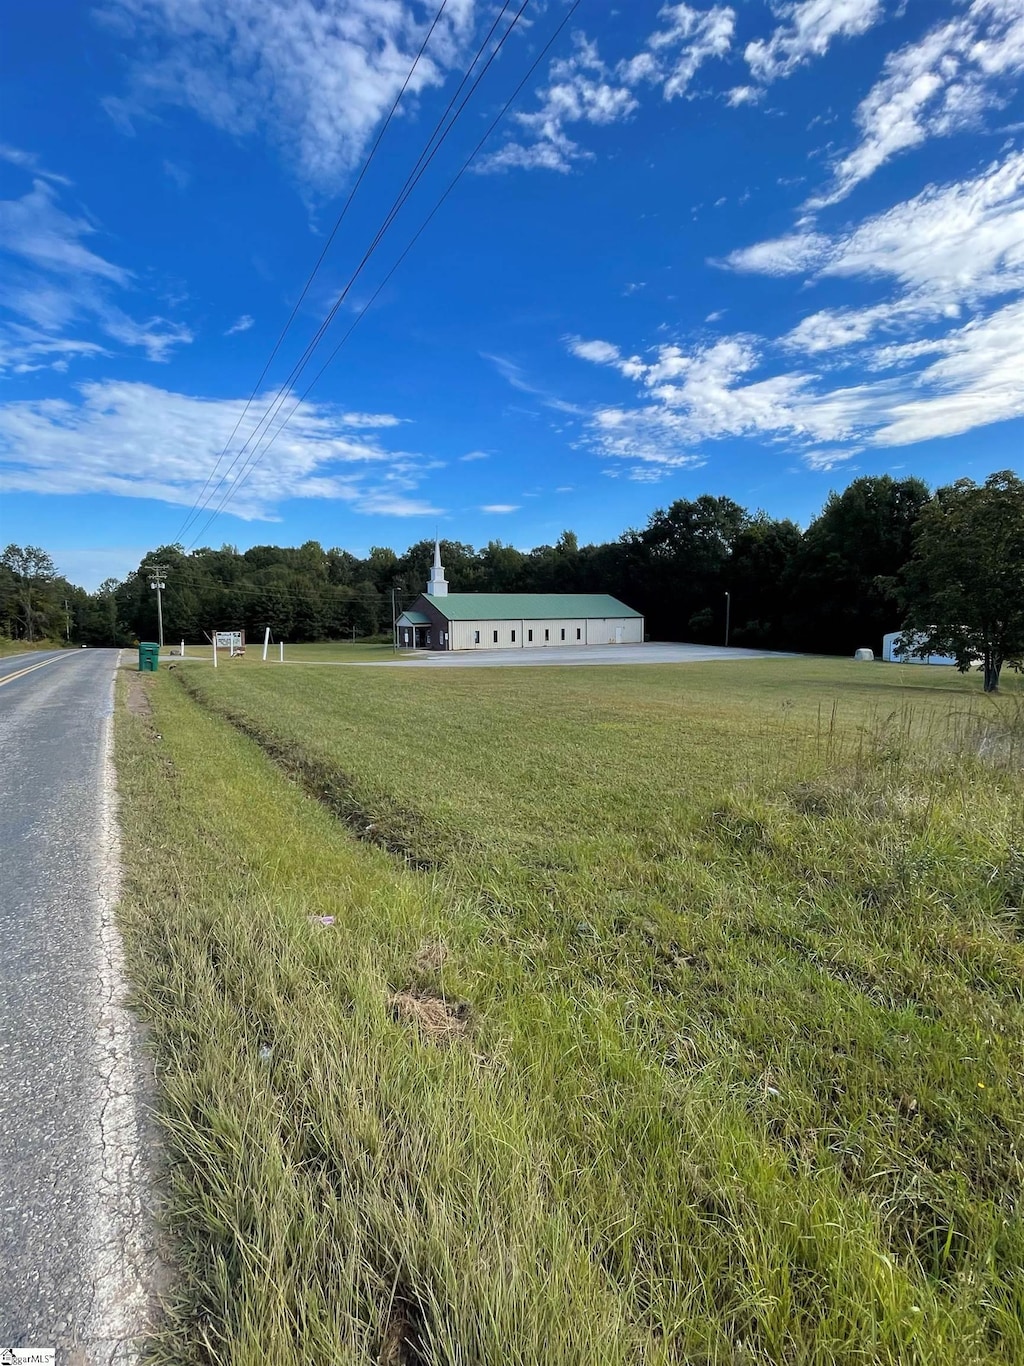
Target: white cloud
{"points": [[790, 255], [583, 89], [500, 507], [698, 35], [241, 324], [977, 380], [28, 161], [930, 369], [973, 377], [52, 279], [743, 94], [371, 420], [601, 352], [179, 174], [157, 337], [807, 31], [938, 86], [828, 460], [516, 376], [948, 248], [313, 76], [475, 455], [138, 441], [37, 230]]}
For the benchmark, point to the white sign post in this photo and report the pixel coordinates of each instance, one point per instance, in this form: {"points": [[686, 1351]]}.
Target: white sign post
{"points": [[214, 651], [282, 651], [266, 643]]}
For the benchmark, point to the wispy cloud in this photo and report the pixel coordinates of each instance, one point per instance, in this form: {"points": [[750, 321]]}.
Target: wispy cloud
{"points": [[931, 370], [28, 161], [312, 76], [583, 89], [241, 324], [948, 248], [516, 376], [475, 455], [139, 441], [500, 507], [940, 85], [54, 279], [808, 30]]}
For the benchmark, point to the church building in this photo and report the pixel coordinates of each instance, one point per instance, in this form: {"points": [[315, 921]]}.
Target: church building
{"points": [[439, 620]]}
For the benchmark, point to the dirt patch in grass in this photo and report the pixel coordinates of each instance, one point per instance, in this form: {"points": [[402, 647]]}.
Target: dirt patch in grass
{"points": [[137, 698], [442, 1022], [432, 956], [402, 1343]]}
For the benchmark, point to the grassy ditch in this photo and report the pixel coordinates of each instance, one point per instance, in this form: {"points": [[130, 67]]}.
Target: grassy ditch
{"points": [[677, 1019]]}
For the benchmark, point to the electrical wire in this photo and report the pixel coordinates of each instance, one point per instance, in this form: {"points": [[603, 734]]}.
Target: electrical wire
{"points": [[367, 162], [258, 454], [440, 132]]}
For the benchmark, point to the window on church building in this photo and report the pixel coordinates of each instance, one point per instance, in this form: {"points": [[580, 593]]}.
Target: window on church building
{"points": [[495, 637], [547, 635], [476, 637], [579, 633], [563, 632], [513, 637]]}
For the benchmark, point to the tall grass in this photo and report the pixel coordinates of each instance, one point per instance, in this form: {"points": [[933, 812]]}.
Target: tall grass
{"points": [[737, 976]]}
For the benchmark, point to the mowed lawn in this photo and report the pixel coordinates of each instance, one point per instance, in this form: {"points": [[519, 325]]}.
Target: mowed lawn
{"points": [[667, 1015]]}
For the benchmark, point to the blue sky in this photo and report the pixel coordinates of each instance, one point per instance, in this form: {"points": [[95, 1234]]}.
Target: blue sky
{"points": [[750, 248]]}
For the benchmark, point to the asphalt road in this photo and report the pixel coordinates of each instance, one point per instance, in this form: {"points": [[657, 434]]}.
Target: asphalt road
{"points": [[75, 1248]]}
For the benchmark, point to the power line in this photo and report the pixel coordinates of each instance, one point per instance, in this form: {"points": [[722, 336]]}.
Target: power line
{"points": [[319, 262], [426, 156], [258, 454]]}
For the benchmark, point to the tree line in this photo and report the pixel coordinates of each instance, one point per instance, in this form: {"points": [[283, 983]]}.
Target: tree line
{"points": [[880, 555]]}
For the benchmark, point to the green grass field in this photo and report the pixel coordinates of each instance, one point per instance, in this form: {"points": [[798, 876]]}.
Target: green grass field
{"points": [[324, 652], [20, 647], [668, 1014]]}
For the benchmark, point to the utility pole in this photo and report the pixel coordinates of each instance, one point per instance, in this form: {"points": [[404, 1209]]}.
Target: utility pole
{"points": [[67, 620], [394, 620], [157, 581], [728, 603]]}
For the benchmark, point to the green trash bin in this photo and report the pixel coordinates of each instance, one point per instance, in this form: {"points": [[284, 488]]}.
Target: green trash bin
{"points": [[149, 657]]}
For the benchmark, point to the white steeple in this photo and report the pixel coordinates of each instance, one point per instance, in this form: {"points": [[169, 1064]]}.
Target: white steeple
{"points": [[437, 588]]}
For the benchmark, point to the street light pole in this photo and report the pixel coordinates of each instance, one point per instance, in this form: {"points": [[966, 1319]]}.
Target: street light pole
{"points": [[157, 581], [728, 604]]}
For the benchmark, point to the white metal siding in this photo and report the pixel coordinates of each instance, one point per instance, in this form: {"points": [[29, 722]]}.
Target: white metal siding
{"points": [[593, 631], [462, 633], [601, 630], [554, 629]]}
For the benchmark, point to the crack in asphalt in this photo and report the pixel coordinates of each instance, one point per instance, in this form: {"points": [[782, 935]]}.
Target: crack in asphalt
{"points": [[78, 1151]]}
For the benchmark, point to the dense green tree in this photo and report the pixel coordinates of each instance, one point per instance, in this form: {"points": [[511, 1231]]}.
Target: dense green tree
{"points": [[33, 592], [963, 588], [841, 580], [761, 554], [832, 588]]}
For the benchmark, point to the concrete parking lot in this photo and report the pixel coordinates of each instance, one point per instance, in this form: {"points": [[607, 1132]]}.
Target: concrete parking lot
{"points": [[580, 654]]}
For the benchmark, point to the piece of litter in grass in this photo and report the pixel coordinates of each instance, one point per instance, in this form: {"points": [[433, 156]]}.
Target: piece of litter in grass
{"points": [[321, 919], [264, 1052]]}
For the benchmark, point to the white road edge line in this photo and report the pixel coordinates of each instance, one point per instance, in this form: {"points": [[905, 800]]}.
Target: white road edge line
{"points": [[120, 1237]]}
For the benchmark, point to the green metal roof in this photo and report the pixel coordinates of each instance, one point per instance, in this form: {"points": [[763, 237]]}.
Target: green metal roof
{"points": [[532, 606], [415, 618]]}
